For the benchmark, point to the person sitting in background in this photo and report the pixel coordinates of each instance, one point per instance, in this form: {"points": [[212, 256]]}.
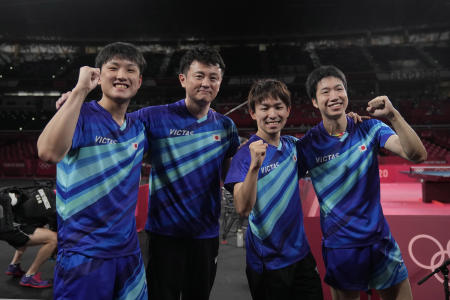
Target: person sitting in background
{"points": [[22, 236]]}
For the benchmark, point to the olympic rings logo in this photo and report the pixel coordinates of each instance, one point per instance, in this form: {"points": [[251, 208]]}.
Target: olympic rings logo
{"points": [[43, 165], [436, 260]]}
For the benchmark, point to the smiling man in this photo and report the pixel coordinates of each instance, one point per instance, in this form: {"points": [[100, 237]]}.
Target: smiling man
{"points": [[341, 157], [190, 148], [99, 153], [264, 180]]}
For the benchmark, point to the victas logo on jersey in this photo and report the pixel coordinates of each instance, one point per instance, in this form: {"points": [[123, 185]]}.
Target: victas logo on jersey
{"points": [[178, 132], [104, 140], [268, 168], [325, 158]]}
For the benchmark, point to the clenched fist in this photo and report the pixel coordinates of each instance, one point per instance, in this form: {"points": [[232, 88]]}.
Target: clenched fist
{"points": [[88, 78], [381, 107], [258, 153]]}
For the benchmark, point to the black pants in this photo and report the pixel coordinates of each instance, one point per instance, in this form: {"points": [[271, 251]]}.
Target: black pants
{"points": [[297, 281], [181, 266]]}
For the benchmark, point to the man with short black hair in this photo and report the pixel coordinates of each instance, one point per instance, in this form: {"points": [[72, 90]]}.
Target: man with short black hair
{"points": [[341, 156], [191, 146], [264, 179], [20, 229], [99, 152]]}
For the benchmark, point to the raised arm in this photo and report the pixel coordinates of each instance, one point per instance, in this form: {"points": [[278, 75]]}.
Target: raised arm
{"points": [[56, 138], [245, 192], [406, 143]]}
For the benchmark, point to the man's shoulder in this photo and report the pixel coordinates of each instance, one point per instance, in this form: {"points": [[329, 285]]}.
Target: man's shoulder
{"points": [[243, 150], [227, 121], [289, 139], [310, 135], [89, 107], [153, 109], [135, 122], [370, 125], [242, 154], [151, 115]]}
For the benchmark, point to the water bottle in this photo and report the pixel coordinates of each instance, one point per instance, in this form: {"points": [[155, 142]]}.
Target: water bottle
{"points": [[239, 238]]}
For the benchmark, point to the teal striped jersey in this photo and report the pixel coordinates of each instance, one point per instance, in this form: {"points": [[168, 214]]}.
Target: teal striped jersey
{"points": [[187, 156], [345, 174], [97, 185], [275, 235]]}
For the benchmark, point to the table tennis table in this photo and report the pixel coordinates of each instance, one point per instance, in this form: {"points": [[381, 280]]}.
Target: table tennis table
{"points": [[435, 182]]}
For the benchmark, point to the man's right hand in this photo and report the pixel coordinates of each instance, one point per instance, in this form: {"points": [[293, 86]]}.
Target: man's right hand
{"points": [[88, 80], [258, 151]]}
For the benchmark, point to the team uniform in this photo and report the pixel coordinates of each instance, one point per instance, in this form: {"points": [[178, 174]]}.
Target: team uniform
{"points": [[359, 251], [279, 262], [184, 199], [96, 194]]}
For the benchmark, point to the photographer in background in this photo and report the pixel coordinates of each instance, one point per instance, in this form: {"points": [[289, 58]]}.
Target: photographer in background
{"points": [[19, 206]]}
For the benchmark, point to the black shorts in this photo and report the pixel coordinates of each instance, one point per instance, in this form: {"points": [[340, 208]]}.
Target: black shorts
{"points": [[19, 236], [178, 266], [300, 280]]}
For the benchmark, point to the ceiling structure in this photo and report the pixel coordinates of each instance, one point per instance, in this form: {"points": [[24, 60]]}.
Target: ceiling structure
{"points": [[174, 20]]}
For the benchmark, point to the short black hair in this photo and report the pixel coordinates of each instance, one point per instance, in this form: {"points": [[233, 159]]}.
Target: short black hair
{"points": [[121, 50], [321, 72], [268, 88], [204, 54]]}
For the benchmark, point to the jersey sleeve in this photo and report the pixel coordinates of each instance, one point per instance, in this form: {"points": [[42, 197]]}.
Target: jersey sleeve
{"points": [[301, 159], [78, 133], [142, 115], [384, 132], [238, 169], [234, 139]]}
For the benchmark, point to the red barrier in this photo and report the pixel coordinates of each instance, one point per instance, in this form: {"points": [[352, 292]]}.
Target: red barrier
{"points": [[44, 169], [141, 207]]}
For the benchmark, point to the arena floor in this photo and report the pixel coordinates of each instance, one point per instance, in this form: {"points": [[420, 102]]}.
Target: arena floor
{"points": [[230, 283]]}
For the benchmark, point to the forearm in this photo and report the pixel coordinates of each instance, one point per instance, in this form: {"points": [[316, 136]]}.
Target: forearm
{"points": [[245, 193], [410, 142], [56, 138]]}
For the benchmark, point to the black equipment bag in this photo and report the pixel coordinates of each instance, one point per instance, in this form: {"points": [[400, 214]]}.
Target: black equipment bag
{"points": [[38, 206]]}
